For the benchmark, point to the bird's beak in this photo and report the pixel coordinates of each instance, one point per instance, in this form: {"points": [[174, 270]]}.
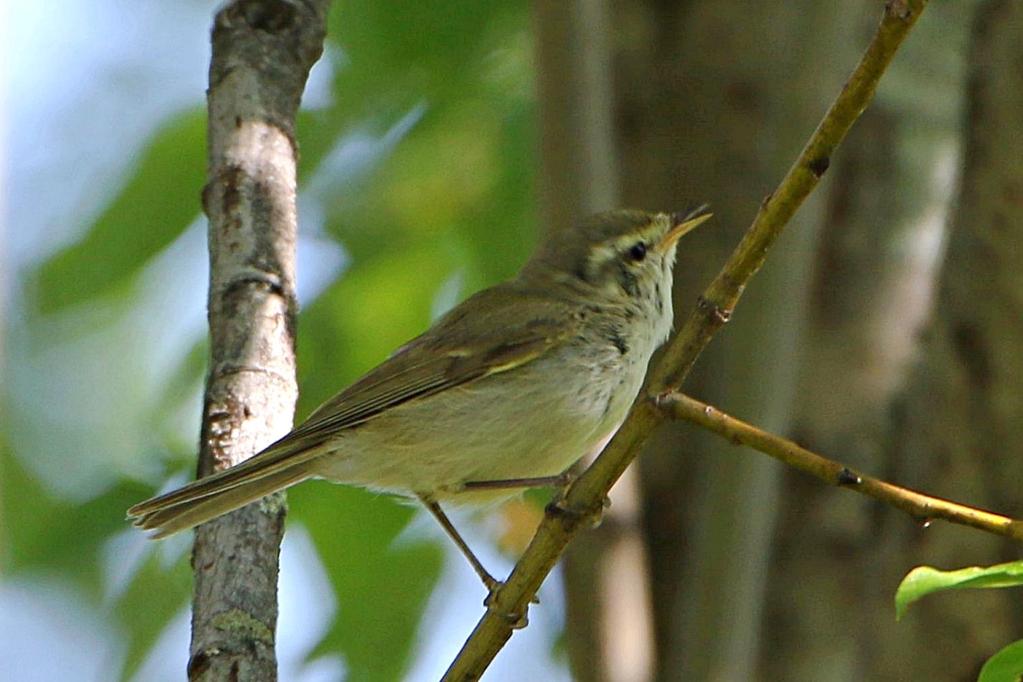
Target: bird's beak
{"points": [[683, 225]]}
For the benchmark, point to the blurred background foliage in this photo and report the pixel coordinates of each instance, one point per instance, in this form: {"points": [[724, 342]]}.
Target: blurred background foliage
{"points": [[417, 148], [420, 140]]}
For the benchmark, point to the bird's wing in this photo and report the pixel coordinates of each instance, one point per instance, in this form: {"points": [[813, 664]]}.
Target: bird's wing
{"points": [[507, 331]]}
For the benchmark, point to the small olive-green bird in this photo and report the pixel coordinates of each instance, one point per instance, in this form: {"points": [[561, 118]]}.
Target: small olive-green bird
{"points": [[504, 392]]}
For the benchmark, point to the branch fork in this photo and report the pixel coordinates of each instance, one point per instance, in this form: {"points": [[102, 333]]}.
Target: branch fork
{"points": [[492, 631]]}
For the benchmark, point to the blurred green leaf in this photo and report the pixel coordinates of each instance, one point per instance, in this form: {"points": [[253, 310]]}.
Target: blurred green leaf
{"points": [[159, 201], [454, 198], [500, 234], [381, 585], [1005, 666], [398, 53], [466, 168], [457, 189], [43, 532], [924, 580], [156, 594], [180, 443], [380, 304]]}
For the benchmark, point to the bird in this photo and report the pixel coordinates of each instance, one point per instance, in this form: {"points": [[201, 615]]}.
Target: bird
{"points": [[503, 393]]}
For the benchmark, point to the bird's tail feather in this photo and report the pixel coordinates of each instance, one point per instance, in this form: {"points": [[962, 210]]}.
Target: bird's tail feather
{"points": [[212, 496]]}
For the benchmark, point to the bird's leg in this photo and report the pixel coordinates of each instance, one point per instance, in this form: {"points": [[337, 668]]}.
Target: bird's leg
{"points": [[559, 481], [488, 580]]}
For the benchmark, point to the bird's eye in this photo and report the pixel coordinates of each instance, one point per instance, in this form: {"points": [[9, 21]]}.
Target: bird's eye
{"points": [[637, 251]]}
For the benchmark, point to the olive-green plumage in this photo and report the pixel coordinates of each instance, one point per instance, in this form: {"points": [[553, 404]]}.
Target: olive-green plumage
{"points": [[519, 381]]}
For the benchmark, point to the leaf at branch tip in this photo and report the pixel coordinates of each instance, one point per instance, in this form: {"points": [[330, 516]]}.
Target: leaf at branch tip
{"points": [[924, 580], [1005, 666]]}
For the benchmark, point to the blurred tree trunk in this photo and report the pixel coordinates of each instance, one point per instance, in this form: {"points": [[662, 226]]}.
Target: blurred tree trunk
{"points": [[872, 291], [714, 100], [262, 53], [959, 429], [869, 298], [608, 630]]}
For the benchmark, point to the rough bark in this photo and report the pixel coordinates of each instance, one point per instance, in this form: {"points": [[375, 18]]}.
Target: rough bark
{"points": [[605, 572], [959, 429], [262, 53], [714, 100]]}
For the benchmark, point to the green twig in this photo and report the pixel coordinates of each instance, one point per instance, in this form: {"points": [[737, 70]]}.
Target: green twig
{"points": [[584, 500]]}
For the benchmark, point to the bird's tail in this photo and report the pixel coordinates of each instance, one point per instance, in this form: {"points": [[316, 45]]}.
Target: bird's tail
{"points": [[209, 497]]}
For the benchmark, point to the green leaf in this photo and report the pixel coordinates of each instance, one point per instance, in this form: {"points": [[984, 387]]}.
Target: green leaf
{"points": [[397, 53], [156, 594], [924, 580], [43, 532], [381, 583], [159, 201], [1005, 666]]}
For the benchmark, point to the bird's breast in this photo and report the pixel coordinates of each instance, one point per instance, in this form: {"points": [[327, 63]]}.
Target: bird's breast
{"points": [[533, 420]]}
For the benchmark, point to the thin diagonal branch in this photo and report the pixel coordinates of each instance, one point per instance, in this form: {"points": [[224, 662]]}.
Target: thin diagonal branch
{"points": [[584, 499], [921, 507]]}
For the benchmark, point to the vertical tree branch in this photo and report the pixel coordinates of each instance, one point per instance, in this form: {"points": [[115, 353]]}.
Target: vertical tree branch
{"points": [[262, 53]]}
